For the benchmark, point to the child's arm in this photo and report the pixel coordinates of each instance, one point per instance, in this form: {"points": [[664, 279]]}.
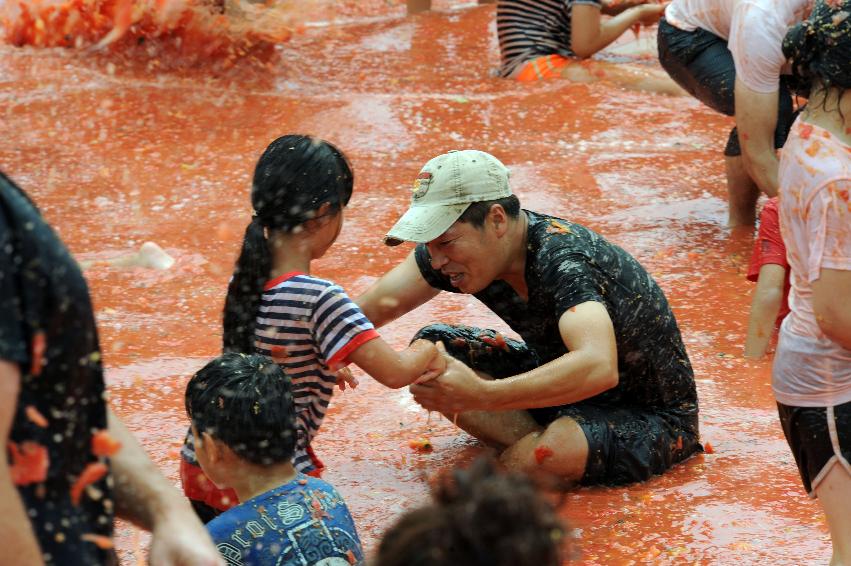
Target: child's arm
{"points": [[398, 369], [764, 308]]}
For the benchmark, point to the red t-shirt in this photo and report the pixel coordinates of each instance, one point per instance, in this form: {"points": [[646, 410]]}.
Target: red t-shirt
{"points": [[769, 248]]}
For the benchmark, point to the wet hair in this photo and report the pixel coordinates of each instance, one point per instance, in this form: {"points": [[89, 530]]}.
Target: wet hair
{"points": [[820, 47], [293, 178], [481, 517], [246, 402], [478, 211]]}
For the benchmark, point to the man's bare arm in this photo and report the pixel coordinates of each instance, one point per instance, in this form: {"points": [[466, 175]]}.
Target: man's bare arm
{"points": [[756, 120], [589, 368], [16, 534], [399, 291], [145, 497]]}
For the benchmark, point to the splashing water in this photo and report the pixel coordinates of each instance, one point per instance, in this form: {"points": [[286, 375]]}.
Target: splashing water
{"points": [[188, 29]]}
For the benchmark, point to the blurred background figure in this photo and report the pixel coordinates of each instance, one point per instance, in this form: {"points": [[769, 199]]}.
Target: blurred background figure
{"points": [[555, 38], [73, 465], [770, 271], [478, 516]]}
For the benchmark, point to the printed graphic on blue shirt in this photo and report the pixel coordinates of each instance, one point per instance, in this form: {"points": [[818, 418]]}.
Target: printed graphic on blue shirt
{"points": [[303, 522]]}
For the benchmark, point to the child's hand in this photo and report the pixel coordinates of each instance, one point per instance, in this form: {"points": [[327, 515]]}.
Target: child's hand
{"points": [[346, 377], [437, 365]]}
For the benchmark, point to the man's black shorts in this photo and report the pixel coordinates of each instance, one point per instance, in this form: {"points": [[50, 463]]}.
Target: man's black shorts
{"points": [[819, 438], [626, 444], [701, 63]]}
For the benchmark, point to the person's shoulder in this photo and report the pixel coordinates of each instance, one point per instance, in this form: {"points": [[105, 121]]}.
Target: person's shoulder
{"points": [[227, 522], [550, 230]]}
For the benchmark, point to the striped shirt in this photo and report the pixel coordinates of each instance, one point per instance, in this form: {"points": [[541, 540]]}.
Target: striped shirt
{"points": [[309, 326], [528, 29]]}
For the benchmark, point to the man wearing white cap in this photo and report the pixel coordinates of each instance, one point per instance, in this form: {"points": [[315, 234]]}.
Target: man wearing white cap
{"points": [[601, 390]]}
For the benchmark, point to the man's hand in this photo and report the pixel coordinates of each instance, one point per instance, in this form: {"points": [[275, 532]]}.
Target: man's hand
{"points": [[183, 544], [437, 364], [457, 390]]}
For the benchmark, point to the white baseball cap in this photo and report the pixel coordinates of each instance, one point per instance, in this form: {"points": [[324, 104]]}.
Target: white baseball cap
{"points": [[443, 190]]}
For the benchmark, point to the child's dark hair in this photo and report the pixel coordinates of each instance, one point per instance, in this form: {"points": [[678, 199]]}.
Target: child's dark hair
{"points": [[479, 517], [293, 178], [820, 46], [245, 401]]}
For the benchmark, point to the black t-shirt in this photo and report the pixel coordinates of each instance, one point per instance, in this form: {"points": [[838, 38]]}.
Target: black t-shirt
{"points": [[43, 291], [568, 264]]}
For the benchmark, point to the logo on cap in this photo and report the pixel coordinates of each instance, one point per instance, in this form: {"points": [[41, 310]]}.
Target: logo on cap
{"points": [[421, 184]]}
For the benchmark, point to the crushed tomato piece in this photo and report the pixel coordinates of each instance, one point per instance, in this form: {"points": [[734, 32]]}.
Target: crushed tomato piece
{"points": [[100, 541], [103, 444], [542, 453], [421, 444], [35, 416], [30, 461], [39, 346], [91, 474], [707, 447]]}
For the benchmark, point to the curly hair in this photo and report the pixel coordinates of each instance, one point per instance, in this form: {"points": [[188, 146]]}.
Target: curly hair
{"points": [[479, 516], [819, 47]]}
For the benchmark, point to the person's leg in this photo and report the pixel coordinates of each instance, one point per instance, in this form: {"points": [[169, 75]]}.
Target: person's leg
{"points": [[498, 429], [560, 450], [491, 356], [742, 193], [149, 256], [632, 77], [834, 495], [701, 63], [820, 441]]}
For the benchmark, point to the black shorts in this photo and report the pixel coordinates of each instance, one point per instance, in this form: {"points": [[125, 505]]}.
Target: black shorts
{"points": [[701, 63], [819, 438], [625, 444]]}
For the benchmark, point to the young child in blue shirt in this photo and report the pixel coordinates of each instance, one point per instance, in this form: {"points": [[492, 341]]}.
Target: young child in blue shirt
{"points": [[243, 420]]}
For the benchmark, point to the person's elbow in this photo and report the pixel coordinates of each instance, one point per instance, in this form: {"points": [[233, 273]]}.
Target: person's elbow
{"points": [[605, 375], [582, 49], [769, 297]]}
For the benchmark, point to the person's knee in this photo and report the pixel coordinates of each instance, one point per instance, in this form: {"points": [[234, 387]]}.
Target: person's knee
{"points": [[561, 449]]}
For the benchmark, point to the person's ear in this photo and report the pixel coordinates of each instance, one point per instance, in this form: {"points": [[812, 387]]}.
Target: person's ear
{"points": [[499, 219], [211, 447], [321, 218]]}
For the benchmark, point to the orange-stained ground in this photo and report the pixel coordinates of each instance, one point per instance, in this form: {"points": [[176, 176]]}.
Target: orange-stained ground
{"points": [[116, 152]]}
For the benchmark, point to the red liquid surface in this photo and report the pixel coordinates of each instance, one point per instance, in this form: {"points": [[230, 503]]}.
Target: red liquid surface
{"points": [[118, 150]]}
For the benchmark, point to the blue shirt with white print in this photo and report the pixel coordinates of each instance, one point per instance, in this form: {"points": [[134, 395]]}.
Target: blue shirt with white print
{"points": [[302, 522]]}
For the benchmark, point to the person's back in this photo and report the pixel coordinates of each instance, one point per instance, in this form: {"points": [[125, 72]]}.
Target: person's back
{"points": [[815, 172], [244, 425], [303, 521]]}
